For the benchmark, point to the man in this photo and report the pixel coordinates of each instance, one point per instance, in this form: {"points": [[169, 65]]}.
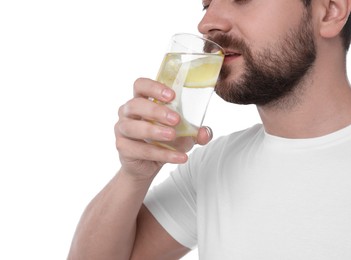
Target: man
{"points": [[281, 190]]}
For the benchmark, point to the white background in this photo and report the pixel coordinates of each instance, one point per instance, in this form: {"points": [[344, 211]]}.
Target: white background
{"points": [[65, 68]]}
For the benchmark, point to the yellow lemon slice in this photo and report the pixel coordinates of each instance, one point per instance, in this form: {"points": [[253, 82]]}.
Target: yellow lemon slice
{"points": [[203, 72], [169, 69]]}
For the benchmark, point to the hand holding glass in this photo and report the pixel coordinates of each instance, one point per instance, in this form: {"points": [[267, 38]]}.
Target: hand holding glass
{"points": [[190, 68]]}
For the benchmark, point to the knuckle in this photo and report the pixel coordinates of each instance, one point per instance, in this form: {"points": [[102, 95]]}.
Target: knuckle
{"points": [[126, 109], [120, 145], [123, 128], [121, 110], [116, 126], [138, 81], [119, 129], [137, 86]]}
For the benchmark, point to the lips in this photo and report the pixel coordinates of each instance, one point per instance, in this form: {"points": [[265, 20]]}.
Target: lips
{"points": [[231, 55]]}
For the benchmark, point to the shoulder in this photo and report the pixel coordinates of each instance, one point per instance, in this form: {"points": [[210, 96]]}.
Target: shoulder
{"points": [[234, 140], [225, 146]]}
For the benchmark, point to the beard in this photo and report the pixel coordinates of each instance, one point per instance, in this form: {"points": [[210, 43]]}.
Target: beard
{"points": [[272, 74]]}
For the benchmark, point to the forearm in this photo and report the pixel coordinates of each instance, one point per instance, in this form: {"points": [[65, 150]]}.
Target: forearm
{"points": [[107, 227]]}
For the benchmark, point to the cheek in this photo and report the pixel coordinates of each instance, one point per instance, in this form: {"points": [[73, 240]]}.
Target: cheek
{"points": [[271, 22]]}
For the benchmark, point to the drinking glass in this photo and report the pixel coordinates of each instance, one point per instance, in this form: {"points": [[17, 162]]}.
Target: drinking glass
{"points": [[191, 68]]}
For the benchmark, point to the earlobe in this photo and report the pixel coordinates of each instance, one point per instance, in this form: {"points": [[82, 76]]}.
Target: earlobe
{"points": [[335, 17]]}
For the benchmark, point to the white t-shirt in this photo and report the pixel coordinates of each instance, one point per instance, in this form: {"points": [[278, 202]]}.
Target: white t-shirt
{"points": [[254, 196]]}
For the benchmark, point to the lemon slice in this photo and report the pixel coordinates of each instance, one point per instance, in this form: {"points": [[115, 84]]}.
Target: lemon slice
{"points": [[169, 69], [203, 72]]}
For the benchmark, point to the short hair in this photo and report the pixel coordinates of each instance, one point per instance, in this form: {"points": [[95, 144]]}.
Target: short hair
{"points": [[346, 31]]}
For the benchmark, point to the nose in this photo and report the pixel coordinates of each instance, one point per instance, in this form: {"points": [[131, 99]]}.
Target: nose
{"points": [[216, 19]]}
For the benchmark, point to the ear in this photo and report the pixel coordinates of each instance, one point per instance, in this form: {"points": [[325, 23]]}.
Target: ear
{"points": [[334, 17]]}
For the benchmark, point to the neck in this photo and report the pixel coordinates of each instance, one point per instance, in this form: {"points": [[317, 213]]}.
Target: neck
{"points": [[320, 105]]}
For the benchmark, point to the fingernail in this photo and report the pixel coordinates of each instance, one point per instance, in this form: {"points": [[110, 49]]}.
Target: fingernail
{"points": [[209, 132], [172, 117], [167, 93]]}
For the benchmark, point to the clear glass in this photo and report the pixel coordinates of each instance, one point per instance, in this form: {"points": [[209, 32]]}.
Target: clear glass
{"points": [[191, 68]]}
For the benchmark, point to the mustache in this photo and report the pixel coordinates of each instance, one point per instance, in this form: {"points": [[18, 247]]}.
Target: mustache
{"points": [[229, 42]]}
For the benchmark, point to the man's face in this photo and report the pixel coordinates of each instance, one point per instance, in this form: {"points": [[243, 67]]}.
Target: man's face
{"points": [[262, 68]]}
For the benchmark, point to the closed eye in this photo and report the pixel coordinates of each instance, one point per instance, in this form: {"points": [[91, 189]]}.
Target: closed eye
{"points": [[242, 1], [205, 4]]}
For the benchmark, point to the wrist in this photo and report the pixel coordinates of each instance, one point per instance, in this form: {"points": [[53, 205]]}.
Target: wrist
{"points": [[135, 179]]}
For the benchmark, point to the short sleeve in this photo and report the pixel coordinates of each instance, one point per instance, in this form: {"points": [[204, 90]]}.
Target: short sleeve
{"points": [[173, 204]]}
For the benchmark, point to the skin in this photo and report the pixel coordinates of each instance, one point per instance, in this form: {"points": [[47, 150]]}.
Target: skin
{"points": [[271, 74], [115, 225]]}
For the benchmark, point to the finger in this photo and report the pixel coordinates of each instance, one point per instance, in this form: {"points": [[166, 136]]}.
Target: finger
{"points": [[141, 108], [141, 130], [184, 144], [204, 135], [139, 150], [144, 87]]}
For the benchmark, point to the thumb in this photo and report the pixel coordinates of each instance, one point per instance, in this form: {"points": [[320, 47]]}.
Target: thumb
{"points": [[204, 135]]}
